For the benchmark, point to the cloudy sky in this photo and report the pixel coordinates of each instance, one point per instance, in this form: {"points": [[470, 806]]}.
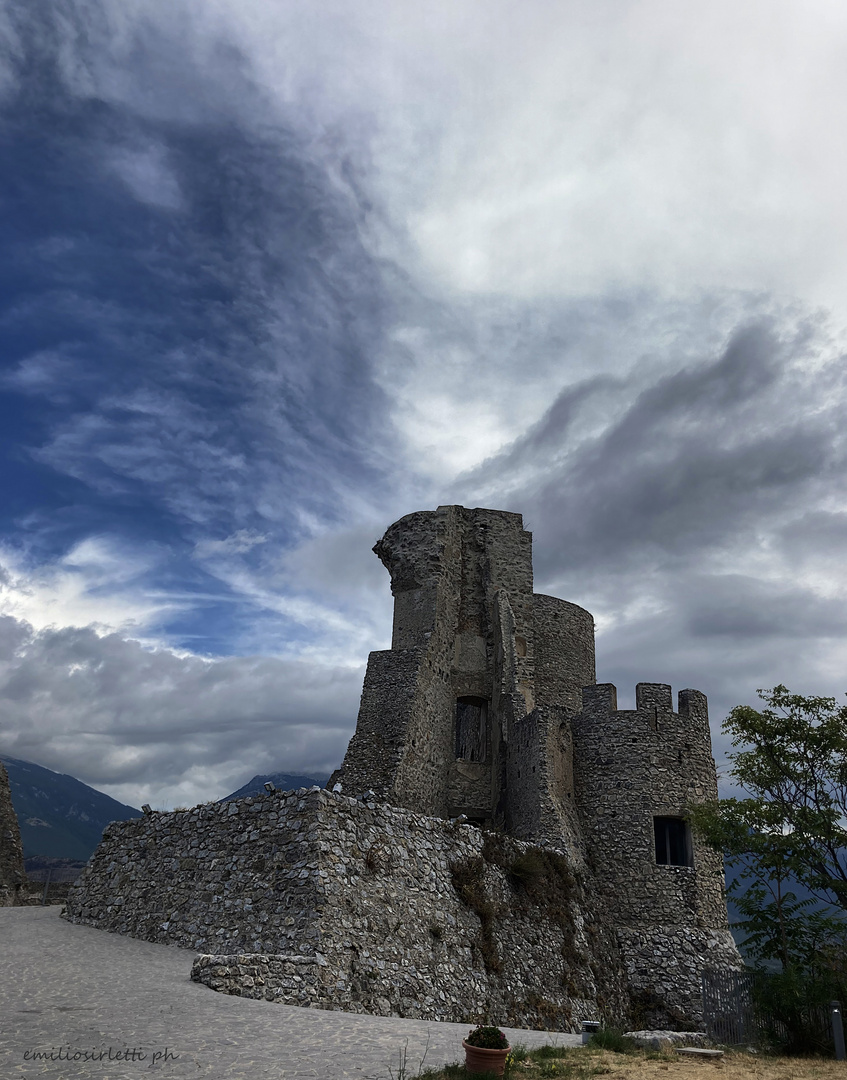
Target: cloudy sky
{"points": [[276, 272]]}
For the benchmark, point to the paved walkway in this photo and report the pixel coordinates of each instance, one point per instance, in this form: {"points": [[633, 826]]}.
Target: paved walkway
{"points": [[68, 989]]}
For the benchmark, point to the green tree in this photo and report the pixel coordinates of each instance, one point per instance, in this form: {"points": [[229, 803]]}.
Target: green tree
{"points": [[791, 761]]}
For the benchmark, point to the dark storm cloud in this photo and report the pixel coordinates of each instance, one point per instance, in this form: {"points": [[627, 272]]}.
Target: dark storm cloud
{"points": [[689, 506], [683, 465], [821, 533], [737, 606]]}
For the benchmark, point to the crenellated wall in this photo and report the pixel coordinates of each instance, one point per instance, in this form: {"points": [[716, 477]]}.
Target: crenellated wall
{"points": [[632, 766]]}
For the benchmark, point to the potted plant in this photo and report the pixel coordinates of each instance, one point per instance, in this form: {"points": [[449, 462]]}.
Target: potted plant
{"points": [[486, 1050]]}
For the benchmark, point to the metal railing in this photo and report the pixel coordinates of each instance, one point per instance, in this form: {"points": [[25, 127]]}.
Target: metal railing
{"points": [[740, 1010], [54, 875]]}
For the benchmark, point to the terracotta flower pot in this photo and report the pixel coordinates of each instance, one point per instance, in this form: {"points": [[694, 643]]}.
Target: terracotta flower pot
{"points": [[479, 1060]]}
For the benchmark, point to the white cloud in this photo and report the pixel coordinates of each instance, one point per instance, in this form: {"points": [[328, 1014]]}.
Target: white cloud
{"points": [[240, 542], [97, 583], [152, 725], [541, 149]]}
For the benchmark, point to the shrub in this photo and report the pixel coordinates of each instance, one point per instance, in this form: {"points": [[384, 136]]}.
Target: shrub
{"points": [[612, 1039], [527, 869], [488, 1038]]}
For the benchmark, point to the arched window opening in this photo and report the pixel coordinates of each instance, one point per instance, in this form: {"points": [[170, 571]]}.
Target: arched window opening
{"points": [[471, 728]]}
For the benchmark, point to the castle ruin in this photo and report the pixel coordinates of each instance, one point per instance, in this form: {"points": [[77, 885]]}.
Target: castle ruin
{"points": [[500, 839]]}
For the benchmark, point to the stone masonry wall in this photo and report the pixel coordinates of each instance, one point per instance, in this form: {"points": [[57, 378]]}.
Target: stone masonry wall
{"points": [[12, 874], [382, 730], [314, 898], [458, 577], [564, 652], [359, 906], [630, 766], [540, 781]]}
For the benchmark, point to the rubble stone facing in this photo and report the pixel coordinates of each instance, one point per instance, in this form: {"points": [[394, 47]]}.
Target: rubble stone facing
{"points": [[323, 900], [463, 627], [12, 873]]}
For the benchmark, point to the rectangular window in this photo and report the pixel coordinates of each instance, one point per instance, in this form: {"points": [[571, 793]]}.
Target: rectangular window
{"points": [[673, 842], [471, 728]]}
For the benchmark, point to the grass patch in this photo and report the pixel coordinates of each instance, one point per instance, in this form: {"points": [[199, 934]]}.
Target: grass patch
{"points": [[583, 1063], [612, 1039], [542, 1053]]}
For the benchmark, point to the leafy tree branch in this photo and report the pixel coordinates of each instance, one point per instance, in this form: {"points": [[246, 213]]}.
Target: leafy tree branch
{"points": [[791, 761]]}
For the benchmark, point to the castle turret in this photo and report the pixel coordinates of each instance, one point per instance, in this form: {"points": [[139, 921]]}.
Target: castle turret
{"points": [[637, 772]]}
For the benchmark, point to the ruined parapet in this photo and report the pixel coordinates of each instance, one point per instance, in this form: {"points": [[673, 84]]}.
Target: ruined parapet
{"points": [[437, 707], [12, 873]]}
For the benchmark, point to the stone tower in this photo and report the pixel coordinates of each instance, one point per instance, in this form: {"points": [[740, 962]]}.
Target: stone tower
{"points": [[486, 705], [636, 773], [467, 712], [12, 874]]}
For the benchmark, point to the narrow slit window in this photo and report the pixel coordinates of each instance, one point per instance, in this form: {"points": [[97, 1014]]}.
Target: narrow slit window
{"points": [[471, 717], [673, 842]]}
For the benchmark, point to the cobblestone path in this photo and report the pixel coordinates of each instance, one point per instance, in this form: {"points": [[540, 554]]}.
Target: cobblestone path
{"points": [[66, 990]]}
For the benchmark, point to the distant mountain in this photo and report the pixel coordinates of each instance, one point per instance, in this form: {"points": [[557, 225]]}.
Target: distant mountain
{"points": [[281, 780], [59, 816]]}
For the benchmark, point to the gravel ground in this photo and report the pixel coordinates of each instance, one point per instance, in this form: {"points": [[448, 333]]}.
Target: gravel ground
{"points": [[66, 990]]}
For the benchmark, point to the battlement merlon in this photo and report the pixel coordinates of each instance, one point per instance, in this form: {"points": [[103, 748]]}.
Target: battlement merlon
{"points": [[652, 700]]}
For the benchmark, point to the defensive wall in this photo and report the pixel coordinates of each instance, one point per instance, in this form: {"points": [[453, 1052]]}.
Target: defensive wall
{"points": [[313, 898]]}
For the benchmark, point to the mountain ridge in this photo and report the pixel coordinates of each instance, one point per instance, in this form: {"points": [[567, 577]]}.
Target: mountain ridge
{"points": [[282, 781], [59, 816]]}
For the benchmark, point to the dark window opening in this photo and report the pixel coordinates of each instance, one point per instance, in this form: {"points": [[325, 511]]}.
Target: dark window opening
{"points": [[471, 717], [673, 843]]}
